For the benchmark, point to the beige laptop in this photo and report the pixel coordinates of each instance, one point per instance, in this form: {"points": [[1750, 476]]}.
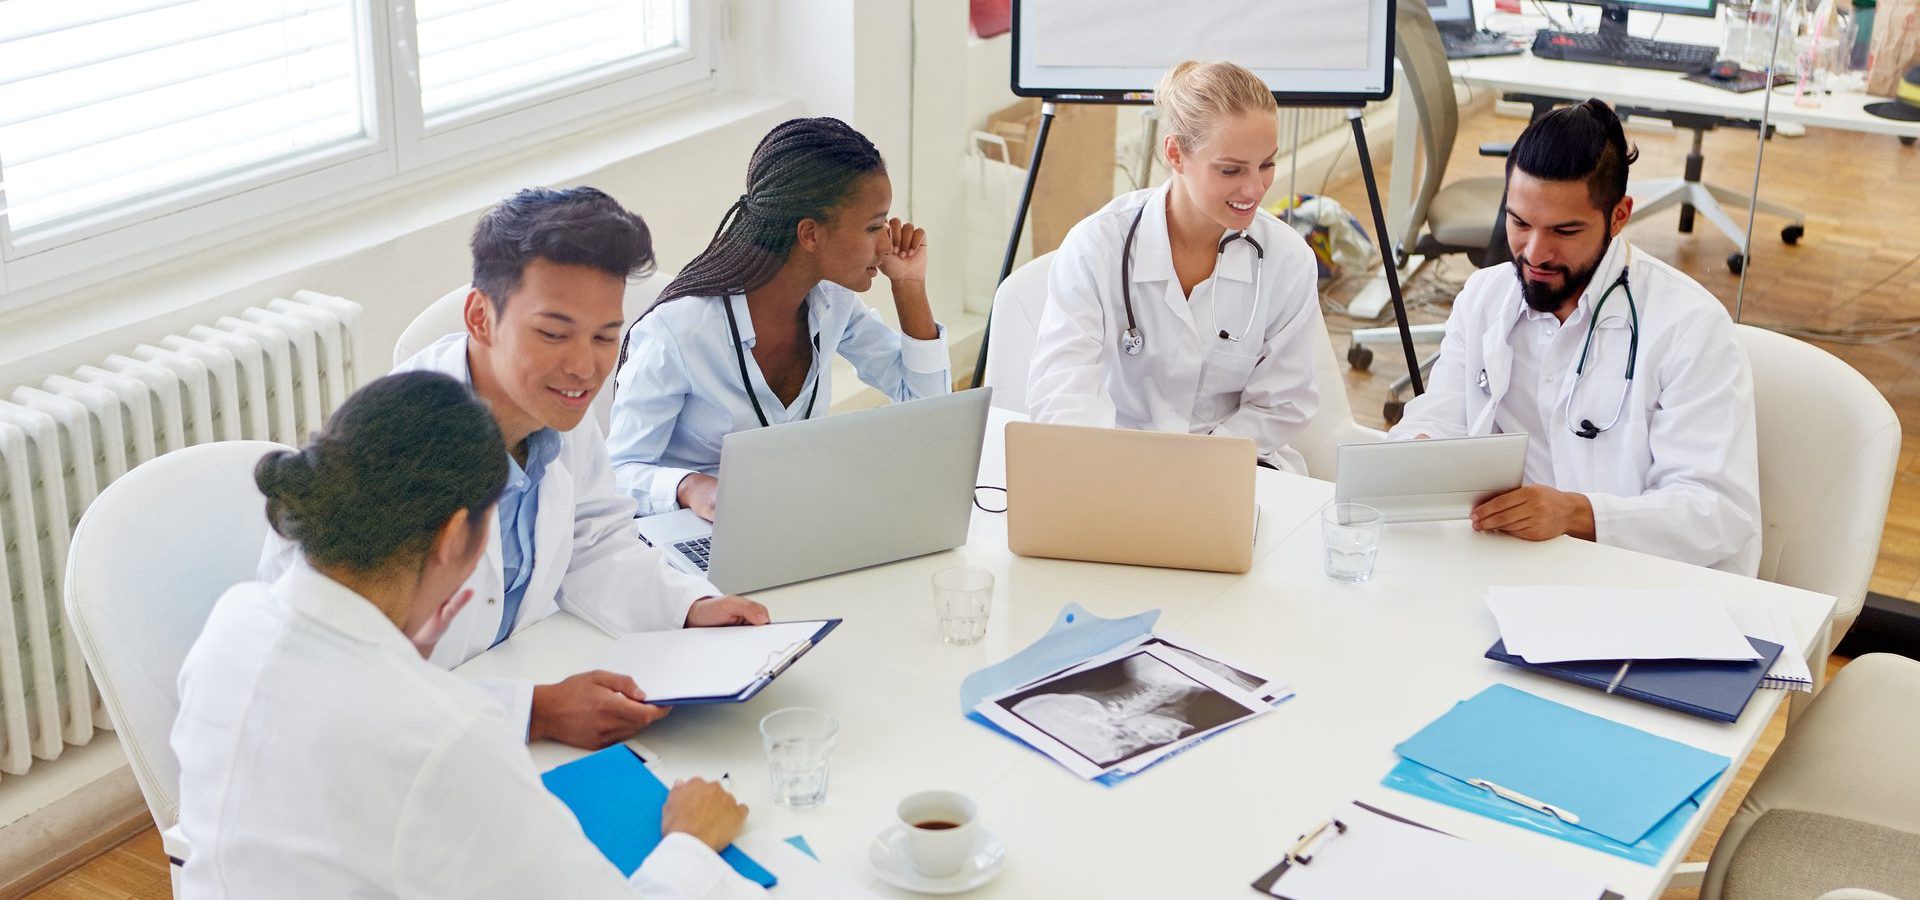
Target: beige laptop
{"points": [[1145, 498]]}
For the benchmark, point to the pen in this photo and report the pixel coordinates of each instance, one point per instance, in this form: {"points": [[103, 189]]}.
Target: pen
{"points": [[1619, 676]]}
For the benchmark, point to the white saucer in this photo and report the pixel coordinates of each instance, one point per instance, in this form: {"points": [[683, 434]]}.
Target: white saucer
{"points": [[887, 856]]}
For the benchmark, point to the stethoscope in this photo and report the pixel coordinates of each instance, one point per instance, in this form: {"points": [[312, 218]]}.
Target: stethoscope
{"points": [[1131, 340], [740, 354], [1587, 429]]}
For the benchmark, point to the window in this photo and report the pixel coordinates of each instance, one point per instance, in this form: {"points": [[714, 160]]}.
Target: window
{"points": [[130, 124]]}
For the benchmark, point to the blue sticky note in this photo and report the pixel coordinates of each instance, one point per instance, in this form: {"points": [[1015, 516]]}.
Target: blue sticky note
{"points": [[1620, 781], [799, 842], [618, 801]]}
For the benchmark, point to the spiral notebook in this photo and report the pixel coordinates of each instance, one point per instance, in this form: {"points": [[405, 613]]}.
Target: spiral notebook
{"points": [[1789, 671]]}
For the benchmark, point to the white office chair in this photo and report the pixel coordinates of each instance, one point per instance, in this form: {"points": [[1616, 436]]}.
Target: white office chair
{"points": [[1016, 319], [1012, 325], [1835, 813], [443, 317], [1829, 446], [149, 558]]}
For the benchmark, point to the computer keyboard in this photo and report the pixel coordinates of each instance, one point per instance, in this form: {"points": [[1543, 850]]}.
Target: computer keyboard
{"points": [[696, 550], [1618, 50]]}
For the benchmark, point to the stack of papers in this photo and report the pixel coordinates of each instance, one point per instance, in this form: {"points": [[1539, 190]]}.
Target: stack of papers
{"points": [[1382, 855], [1562, 624]]}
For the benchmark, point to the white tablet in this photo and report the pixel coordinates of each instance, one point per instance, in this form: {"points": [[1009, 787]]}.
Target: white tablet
{"points": [[1428, 480]]}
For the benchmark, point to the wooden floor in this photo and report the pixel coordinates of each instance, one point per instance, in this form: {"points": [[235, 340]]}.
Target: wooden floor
{"points": [[1859, 263]]}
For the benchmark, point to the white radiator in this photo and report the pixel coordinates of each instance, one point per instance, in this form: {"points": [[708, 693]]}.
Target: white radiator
{"points": [[272, 373]]}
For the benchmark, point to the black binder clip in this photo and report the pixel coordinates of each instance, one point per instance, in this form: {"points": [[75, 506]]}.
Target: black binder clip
{"points": [[1302, 853]]}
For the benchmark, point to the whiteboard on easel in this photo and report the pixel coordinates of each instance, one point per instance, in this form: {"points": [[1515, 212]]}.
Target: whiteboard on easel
{"points": [[1114, 51]]}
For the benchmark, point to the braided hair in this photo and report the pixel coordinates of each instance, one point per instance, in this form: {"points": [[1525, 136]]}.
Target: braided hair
{"points": [[803, 169]]}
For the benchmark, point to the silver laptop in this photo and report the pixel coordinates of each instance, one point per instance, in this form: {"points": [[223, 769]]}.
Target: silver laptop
{"points": [[833, 494], [1423, 481]]}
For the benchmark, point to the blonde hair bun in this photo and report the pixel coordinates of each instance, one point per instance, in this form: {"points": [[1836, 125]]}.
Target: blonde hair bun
{"points": [[1193, 97]]}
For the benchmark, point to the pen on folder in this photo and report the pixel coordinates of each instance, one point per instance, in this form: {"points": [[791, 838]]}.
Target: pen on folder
{"points": [[1619, 676]]}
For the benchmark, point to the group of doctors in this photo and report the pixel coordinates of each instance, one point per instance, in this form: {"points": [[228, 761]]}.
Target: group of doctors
{"points": [[322, 740]]}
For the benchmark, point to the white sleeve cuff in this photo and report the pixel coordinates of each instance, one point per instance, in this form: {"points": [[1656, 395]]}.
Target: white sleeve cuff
{"points": [[684, 867], [663, 490], [925, 357]]}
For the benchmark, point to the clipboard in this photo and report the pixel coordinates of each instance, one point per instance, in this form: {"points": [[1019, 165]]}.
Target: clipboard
{"points": [[1303, 852], [696, 666]]}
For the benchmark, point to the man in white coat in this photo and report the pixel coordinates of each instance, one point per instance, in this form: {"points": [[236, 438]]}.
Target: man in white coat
{"points": [[543, 325], [1622, 371]]}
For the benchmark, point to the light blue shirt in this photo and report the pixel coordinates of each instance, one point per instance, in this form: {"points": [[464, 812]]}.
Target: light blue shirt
{"points": [[519, 508], [679, 393]]}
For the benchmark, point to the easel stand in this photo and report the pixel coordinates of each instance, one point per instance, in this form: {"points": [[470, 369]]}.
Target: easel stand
{"points": [[1047, 111]]}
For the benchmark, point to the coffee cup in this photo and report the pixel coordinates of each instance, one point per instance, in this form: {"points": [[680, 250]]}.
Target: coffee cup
{"points": [[940, 827]]}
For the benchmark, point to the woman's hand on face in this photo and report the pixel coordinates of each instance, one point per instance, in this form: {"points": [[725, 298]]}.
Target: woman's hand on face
{"points": [[905, 257]]}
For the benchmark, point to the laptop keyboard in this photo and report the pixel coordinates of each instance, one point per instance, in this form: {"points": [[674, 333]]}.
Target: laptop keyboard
{"points": [[697, 550]]}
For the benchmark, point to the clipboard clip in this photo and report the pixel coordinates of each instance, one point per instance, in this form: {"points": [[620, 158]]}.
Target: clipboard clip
{"points": [[778, 661], [1302, 852], [1524, 800]]}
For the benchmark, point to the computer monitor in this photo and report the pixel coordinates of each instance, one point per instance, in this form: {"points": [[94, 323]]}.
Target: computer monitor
{"points": [[1676, 7], [1447, 12], [1613, 13]]}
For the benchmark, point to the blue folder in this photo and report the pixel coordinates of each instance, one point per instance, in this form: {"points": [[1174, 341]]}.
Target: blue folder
{"points": [[1631, 791], [618, 801], [1710, 689]]}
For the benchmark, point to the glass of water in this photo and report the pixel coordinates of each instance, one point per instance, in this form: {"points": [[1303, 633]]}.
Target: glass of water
{"points": [[799, 744], [962, 598], [1351, 532]]}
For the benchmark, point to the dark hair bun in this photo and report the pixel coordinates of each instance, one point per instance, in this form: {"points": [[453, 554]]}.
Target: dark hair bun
{"points": [[393, 465]]}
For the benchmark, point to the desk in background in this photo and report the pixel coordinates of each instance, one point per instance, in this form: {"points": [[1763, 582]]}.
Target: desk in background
{"points": [[1372, 664]]}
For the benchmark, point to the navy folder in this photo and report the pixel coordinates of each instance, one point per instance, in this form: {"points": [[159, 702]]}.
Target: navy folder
{"points": [[1709, 689]]}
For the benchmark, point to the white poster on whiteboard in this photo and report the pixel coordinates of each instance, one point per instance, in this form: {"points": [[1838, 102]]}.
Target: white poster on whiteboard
{"points": [[1270, 34], [1306, 51]]}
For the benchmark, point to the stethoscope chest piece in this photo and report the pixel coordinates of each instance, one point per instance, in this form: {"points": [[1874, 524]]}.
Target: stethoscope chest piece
{"points": [[1132, 341]]}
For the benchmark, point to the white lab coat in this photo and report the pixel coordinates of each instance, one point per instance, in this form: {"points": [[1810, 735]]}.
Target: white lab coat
{"points": [[1678, 476], [1186, 379], [587, 558], [320, 756]]}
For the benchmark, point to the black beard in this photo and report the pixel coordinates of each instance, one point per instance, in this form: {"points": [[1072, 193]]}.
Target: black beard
{"points": [[1543, 299]]}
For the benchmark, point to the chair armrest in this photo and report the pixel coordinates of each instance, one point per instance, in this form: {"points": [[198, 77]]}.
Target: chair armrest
{"points": [[174, 842], [1496, 148]]}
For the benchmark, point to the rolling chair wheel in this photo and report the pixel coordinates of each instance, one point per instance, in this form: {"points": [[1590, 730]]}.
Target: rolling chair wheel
{"points": [[1907, 141], [1736, 262], [1793, 233], [1393, 411], [1359, 357]]}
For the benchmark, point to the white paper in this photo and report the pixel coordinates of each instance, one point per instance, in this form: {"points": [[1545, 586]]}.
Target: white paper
{"points": [[1265, 34], [700, 662], [1380, 857], [1560, 624], [1168, 704], [800, 876], [1769, 624]]}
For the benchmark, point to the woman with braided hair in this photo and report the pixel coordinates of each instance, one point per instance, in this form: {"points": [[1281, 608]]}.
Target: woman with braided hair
{"points": [[744, 337]]}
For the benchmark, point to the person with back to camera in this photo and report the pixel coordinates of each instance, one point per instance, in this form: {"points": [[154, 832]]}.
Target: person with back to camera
{"points": [[1185, 307], [321, 754]]}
